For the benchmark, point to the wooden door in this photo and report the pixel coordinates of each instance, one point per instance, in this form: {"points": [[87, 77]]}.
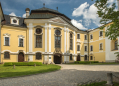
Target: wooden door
{"points": [[20, 57], [57, 59], [78, 58]]}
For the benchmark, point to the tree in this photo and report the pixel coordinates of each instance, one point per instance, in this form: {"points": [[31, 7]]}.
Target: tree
{"points": [[107, 14]]}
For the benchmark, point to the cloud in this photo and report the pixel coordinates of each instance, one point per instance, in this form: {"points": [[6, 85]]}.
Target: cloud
{"points": [[24, 15], [78, 25], [12, 14]]}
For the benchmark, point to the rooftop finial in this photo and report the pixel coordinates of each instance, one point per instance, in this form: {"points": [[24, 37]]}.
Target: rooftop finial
{"points": [[57, 8], [43, 4]]}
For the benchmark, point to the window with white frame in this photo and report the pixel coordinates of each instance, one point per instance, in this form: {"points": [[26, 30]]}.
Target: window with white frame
{"points": [[85, 57], [85, 37], [116, 45], [78, 36], [85, 48], [91, 36], [14, 20], [91, 48], [78, 47], [91, 57], [6, 55], [101, 46], [101, 33], [6, 41], [20, 42]]}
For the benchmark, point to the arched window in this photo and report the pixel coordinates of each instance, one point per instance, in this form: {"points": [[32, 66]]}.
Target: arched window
{"points": [[57, 39], [6, 55], [38, 38], [116, 43], [38, 56], [71, 41], [70, 56]]}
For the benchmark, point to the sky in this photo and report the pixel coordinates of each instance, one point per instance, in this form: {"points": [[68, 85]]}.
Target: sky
{"points": [[81, 12]]}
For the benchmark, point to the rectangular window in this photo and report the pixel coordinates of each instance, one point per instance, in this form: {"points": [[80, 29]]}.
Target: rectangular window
{"points": [[91, 36], [91, 48], [78, 47], [39, 41], [71, 44], [85, 37], [20, 42], [85, 57], [70, 56], [6, 55], [57, 41], [101, 46], [101, 34], [91, 57], [85, 48], [6, 41], [78, 36]]}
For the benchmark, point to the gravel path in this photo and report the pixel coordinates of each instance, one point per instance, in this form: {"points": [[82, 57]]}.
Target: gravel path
{"points": [[67, 76]]}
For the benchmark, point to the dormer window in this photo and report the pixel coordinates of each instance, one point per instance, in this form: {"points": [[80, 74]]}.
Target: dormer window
{"points": [[14, 20]]}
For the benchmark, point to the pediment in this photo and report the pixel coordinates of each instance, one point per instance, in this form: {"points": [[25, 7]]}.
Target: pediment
{"points": [[58, 20]]}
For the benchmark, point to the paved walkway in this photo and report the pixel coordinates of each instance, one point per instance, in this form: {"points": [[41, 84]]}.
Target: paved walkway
{"points": [[69, 75]]}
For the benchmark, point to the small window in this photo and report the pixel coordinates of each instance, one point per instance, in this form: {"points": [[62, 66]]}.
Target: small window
{"points": [[20, 42], [6, 55], [116, 43], [101, 34], [91, 36], [70, 56], [85, 48], [38, 31], [38, 56], [78, 47], [91, 57], [57, 32], [85, 37], [101, 46], [85, 57], [78, 36], [91, 48], [6, 41]]}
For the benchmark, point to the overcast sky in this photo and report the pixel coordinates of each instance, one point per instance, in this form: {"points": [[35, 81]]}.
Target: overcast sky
{"points": [[81, 12]]}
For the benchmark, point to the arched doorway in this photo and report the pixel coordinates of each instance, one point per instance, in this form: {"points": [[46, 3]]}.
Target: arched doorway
{"points": [[57, 58], [78, 58], [20, 57]]}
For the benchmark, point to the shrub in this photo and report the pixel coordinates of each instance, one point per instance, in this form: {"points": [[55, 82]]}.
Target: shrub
{"points": [[85, 62], [22, 63]]}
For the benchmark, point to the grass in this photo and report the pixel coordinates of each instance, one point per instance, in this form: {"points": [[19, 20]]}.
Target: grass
{"points": [[104, 63], [103, 83], [8, 71]]}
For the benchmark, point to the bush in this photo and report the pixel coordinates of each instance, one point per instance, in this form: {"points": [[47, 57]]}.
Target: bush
{"points": [[85, 62], [22, 63]]}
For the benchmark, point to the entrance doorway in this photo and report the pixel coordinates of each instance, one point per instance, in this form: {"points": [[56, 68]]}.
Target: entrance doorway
{"points": [[57, 58], [78, 58], [20, 57]]}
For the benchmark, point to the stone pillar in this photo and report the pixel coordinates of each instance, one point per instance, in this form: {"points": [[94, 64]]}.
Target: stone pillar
{"points": [[45, 37], [64, 39], [49, 37], [30, 41], [74, 41], [0, 39], [109, 79]]}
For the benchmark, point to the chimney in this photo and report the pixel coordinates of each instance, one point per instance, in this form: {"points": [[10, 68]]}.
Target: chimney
{"points": [[27, 12], [118, 4]]}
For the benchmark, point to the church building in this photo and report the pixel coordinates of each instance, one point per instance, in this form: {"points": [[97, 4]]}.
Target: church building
{"points": [[46, 35]]}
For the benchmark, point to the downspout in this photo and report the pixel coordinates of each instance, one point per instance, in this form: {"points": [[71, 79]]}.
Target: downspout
{"points": [[0, 39]]}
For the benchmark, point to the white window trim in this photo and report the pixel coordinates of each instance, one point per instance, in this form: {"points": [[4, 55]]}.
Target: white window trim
{"points": [[12, 18], [18, 41], [4, 40], [92, 48], [99, 46]]}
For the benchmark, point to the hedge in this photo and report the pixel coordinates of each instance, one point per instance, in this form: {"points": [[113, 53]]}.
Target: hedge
{"points": [[85, 62], [22, 63]]}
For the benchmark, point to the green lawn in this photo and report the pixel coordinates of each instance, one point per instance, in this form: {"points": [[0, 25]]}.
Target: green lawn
{"points": [[8, 71], [103, 83], [93, 63]]}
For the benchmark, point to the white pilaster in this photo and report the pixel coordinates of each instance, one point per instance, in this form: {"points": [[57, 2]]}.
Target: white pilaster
{"points": [[74, 41], [67, 40], [64, 39], [49, 37], [45, 37]]}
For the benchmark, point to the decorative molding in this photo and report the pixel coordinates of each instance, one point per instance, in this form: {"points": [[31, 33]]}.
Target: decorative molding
{"points": [[57, 28], [38, 26], [21, 36], [74, 33], [6, 34]]}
